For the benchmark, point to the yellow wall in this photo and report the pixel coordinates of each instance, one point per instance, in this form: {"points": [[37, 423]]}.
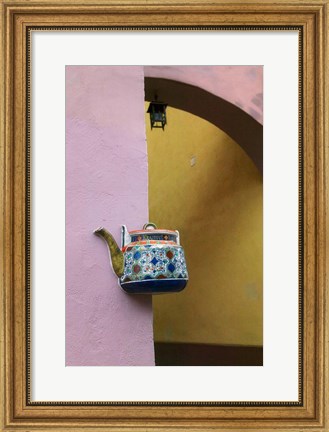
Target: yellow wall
{"points": [[216, 204]]}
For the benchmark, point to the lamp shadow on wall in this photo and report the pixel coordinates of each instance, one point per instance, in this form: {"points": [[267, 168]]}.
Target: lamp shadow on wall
{"points": [[209, 187]]}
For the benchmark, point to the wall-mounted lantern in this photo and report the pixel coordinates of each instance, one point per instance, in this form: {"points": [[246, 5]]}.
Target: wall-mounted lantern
{"points": [[157, 111]]}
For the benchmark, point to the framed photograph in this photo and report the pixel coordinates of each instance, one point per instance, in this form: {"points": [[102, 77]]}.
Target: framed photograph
{"points": [[192, 138]]}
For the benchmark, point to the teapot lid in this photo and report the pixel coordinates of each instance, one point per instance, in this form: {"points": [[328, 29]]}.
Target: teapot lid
{"points": [[153, 228]]}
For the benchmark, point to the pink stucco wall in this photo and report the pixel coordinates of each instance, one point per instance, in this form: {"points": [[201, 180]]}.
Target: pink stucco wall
{"points": [[106, 184], [240, 85]]}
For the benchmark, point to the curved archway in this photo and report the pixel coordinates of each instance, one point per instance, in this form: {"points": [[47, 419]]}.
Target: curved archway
{"points": [[239, 125]]}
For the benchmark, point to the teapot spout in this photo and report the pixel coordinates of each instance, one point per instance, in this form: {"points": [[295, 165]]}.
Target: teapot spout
{"points": [[116, 254]]}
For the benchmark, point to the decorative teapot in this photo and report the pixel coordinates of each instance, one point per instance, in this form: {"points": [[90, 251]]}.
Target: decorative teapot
{"points": [[150, 261]]}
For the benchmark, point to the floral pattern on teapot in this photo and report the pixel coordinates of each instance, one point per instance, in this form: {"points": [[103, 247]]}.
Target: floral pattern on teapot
{"points": [[154, 262]]}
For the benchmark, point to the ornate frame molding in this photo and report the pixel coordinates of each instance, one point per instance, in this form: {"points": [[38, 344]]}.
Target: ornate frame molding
{"points": [[312, 411]]}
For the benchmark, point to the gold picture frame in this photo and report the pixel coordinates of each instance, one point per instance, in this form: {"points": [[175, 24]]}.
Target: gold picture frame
{"points": [[311, 412]]}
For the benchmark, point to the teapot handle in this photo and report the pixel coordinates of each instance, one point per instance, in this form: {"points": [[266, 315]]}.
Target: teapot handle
{"points": [[149, 225]]}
